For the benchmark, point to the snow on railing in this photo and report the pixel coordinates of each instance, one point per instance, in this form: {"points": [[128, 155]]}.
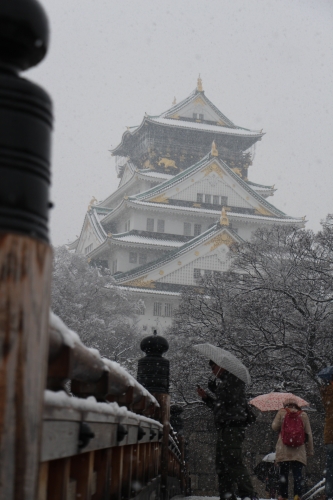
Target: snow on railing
{"points": [[317, 488], [91, 375]]}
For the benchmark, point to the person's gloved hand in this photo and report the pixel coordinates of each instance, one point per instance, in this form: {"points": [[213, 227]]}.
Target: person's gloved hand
{"points": [[212, 384]]}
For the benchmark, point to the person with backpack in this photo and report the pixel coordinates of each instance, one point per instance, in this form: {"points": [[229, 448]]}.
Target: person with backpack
{"points": [[295, 443]]}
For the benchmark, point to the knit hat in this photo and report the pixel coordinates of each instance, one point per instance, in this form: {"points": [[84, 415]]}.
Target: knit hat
{"points": [[291, 401]]}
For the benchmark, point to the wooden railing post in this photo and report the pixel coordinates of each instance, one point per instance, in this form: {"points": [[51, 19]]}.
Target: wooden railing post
{"points": [[25, 255], [153, 373]]}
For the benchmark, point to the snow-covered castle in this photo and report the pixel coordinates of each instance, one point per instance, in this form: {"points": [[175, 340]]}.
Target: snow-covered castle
{"points": [[183, 198]]}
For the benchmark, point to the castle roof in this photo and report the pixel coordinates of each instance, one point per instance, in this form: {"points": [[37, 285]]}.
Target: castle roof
{"points": [[179, 117], [175, 254], [208, 159]]}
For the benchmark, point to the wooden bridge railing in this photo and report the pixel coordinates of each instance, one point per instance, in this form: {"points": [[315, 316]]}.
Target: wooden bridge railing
{"points": [[101, 444]]}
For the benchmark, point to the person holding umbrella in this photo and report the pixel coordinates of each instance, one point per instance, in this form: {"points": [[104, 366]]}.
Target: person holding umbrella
{"points": [[231, 416], [294, 444], [327, 396]]}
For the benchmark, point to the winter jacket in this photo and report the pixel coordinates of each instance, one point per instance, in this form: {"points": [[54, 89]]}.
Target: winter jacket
{"points": [[229, 406], [327, 396], [286, 453]]}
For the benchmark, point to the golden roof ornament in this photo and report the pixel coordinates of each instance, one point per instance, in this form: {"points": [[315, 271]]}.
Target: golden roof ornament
{"points": [[199, 84], [214, 151], [224, 221], [93, 201], [174, 102]]}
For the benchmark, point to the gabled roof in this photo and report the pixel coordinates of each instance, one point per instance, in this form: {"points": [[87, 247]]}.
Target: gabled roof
{"points": [[172, 118], [164, 186], [175, 254], [181, 105]]}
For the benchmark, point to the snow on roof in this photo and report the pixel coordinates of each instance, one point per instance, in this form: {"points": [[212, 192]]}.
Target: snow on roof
{"points": [[133, 238], [269, 218], [175, 207], [203, 162], [157, 175], [148, 290], [205, 127]]}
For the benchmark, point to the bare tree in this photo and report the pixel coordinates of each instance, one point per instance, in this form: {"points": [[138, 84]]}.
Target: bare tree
{"points": [[273, 309], [88, 301]]}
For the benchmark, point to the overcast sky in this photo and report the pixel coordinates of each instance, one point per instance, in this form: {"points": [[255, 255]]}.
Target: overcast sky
{"points": [[264, 63]]}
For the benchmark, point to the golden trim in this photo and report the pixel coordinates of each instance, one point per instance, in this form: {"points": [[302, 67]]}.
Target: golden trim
{"points": [[179, 263], [213, 167], [262, 211], [224, 221], [237, 171], [220, 239], [141, 282], [161, 198], [197, 205], [161, 272], [199, 100], [197, 253], [199, 84]]}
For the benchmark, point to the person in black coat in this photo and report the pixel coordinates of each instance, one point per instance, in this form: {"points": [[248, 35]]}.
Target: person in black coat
{"points": [[231, 416]]}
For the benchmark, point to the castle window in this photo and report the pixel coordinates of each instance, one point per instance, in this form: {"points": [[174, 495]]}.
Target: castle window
{"points": [[195, 115], [142, 258], [224, 200], [88, 249], [157, 309], [133, 257], [197, 274], [199, 197], [141, 308], [208, 198], [187, 229], [150, 225], [114, 267], [160, 226], [197, 229], [201, 117], [127, 226], [216, 200], [168, 310]]}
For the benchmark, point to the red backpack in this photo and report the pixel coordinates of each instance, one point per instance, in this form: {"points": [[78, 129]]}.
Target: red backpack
{"points": [[292, 431]]}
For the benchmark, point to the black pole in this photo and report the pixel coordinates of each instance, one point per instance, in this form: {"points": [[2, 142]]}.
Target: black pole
{"points": [[25, 121]]}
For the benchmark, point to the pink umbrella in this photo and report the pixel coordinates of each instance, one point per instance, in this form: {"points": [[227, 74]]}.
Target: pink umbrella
{"points": [[274, 401]]}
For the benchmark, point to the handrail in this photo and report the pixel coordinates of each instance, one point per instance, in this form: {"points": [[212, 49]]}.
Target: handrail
{"points": [[70, 359], [317, 488], [110, 423]]}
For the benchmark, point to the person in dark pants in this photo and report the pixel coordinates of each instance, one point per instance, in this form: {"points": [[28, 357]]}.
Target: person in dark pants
{"points": [[289, 457], [231, 416]]}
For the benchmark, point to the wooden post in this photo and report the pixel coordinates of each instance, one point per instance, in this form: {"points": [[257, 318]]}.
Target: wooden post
{"points": [[153, 373], [25, 255], [164, 402]]}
